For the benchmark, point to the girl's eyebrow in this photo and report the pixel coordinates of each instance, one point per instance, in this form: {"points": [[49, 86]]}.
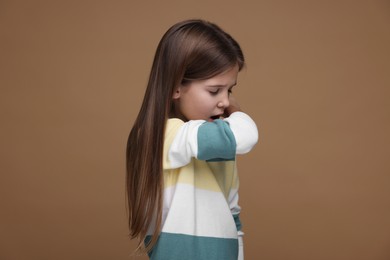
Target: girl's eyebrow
{"points": [[222, 86]]}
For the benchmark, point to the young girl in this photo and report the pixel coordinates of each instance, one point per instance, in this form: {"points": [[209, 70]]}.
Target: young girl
{"points": [[181, 173]]}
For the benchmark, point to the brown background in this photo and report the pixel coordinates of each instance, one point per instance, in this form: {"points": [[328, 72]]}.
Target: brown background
{"points": [[72, 76]]}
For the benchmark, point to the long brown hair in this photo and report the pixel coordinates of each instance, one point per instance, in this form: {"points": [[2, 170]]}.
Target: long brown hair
{"points": [[189, 50]]}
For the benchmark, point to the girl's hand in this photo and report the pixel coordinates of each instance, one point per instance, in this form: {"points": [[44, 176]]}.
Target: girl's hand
{"points": [[233, 106]]}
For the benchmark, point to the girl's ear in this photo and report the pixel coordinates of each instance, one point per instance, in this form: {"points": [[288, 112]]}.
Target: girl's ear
{"points": [[176, 93]]}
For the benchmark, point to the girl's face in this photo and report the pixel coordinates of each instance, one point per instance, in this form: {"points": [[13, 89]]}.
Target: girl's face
{"points": [[205, 99]]}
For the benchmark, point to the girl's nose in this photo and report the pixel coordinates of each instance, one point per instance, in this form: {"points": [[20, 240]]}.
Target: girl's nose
{"points": [[224, 102]]}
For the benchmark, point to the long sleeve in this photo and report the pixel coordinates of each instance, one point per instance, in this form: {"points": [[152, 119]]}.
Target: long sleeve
{"points": [[210, 141]]}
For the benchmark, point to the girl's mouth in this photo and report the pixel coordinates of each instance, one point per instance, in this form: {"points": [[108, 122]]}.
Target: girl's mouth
{"points": [[215, 117]]}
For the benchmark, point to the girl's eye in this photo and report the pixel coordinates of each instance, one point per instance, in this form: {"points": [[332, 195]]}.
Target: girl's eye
{"points": [[214, 92], [230, 91]]}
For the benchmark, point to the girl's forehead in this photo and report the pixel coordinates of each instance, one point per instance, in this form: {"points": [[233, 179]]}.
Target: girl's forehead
{"points": [[227, 78]]}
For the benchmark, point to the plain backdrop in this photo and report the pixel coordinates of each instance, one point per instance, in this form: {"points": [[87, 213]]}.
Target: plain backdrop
{"points": [[73, 75]]}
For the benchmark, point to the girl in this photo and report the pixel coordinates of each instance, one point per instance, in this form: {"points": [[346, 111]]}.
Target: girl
{"points": [[181, 173]]}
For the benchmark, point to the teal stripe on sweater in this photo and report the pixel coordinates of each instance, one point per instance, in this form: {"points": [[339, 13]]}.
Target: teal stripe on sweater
{"points": [[186, 247], [237, 221], [216, 141]]}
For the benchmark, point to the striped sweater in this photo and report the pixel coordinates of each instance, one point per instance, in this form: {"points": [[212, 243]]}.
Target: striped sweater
{"points": [[200, 206]]}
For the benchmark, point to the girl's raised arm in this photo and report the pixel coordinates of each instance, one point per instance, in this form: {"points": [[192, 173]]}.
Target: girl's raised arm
{"points": [[219, 140]]}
